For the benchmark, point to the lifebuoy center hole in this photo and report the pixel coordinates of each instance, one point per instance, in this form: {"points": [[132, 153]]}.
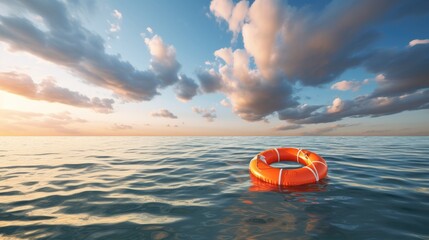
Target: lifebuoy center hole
{"points": [[286, 165]]}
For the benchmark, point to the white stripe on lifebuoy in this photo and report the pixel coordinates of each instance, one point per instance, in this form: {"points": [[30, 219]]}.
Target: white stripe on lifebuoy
{"points": [[262, 158], [278, 154], [316, 176], [280, 176], [320, 162], [297, 155]]}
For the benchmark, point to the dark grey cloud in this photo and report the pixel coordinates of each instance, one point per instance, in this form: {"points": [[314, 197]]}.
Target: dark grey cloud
{"points": [[210, 81], [186, 88], [288, 127], [403, 86], [253, 102], [48, 90], [167, 74], [299, 112], [163, 113], [252, 96], [404, 71], [366, 106], [318, 47]]}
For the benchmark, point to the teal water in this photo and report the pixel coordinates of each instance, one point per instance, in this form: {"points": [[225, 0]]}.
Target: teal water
{"points": [[200, 188]]}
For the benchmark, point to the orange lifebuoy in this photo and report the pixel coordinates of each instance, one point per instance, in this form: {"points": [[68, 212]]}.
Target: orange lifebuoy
{"points": [[314, 169]]}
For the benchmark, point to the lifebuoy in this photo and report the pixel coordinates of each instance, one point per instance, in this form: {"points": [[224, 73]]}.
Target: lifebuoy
{"points": [[315, 167]]}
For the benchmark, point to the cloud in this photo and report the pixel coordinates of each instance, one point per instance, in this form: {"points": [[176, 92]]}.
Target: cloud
{"points": [[208, 114], [285, 45], [13, 115], [210, 80], [19, 84], [380, 78], [252, 96], [14, 122], [403, 71], [316, 47], [116, 14], [234, 15], [61, 39], [299, 112], [337, 106], [186, 88], [225, 54], [401, 75], [261, 31], [120, 127], [149, 30], [255, 101], [114, 27], [164, 113], [163, 62], [322, 46], [418, 41], [349, 85], [288, 127], [366, 106], [224, 102], [48, 90], [221, 8]]}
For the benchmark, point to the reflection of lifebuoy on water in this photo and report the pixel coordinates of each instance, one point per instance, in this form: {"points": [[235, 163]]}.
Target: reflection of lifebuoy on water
{"points": [[314, 169], [257, 185]]}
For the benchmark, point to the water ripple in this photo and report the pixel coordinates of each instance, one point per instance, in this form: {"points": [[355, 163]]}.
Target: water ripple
{"points": [[200, 188]]}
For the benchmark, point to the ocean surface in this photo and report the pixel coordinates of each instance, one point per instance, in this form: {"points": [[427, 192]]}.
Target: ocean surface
{"points": [[200, 188]]}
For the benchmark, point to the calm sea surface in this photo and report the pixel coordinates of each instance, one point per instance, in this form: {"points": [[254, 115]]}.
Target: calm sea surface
{"points": [[200, 188]]}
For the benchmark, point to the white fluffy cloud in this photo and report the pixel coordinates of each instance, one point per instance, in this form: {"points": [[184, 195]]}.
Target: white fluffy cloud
{"points": [[163, 63], [418, 41], [114, 27], [337, 106], [224, 102], [116, 14], [186, 88], [349, 85], [260, 34], [234, 15]]}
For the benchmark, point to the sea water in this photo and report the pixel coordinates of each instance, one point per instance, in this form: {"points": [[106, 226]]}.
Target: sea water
{"points": [[200, 188]]}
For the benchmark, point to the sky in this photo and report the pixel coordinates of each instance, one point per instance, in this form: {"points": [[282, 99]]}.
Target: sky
{"points": [[219, 67]]}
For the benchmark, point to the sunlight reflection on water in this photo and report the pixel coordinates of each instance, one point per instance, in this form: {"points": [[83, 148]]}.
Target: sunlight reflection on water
{"points": [[200, 188]]}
